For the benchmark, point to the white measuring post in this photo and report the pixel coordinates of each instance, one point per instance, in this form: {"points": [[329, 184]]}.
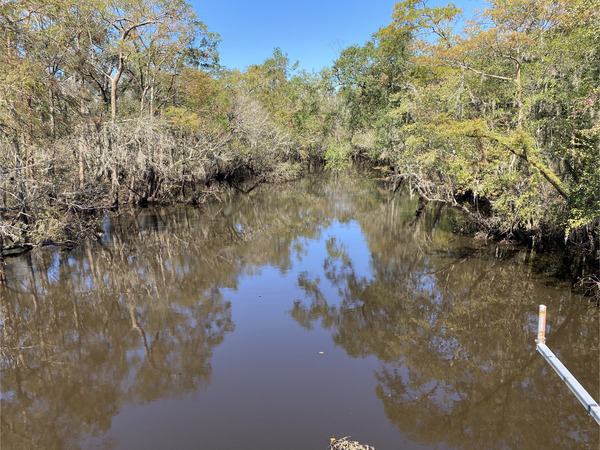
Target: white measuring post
{"points": [[582, 395], [541, 339]]}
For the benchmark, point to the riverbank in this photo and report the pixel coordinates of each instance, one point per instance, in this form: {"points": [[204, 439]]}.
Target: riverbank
{"points": [[90, 130], [69, 227]]}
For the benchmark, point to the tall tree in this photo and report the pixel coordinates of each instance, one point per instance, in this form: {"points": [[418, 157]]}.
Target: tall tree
{"points": [[499, 114], [143, 37]]}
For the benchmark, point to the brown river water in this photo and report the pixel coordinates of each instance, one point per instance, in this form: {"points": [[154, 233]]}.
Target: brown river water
{"points": [[284, 318]]}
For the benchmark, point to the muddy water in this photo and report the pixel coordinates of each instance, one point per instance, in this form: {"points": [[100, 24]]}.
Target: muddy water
{"points": [[284, 318]]}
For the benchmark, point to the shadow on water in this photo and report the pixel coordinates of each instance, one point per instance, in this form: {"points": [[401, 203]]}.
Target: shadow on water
{"points": [[443, 326]]}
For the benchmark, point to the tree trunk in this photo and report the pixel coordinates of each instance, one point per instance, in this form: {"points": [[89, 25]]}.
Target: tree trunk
{"points": [[80, 160], [152, 100], [114, 176], [81, 148], [519, 91], [52, 111], [114, 81], [21, 185], [113, 98]]}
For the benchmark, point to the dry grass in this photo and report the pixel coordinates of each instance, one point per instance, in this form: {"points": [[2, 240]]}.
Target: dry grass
{"points": [[345, 444]]}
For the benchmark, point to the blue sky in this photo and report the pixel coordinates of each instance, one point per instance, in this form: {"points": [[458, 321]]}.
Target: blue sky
{"points": [[310, 31]]}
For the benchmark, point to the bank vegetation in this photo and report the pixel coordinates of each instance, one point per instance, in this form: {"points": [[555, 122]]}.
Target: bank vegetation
{"points": [[110, 103]]}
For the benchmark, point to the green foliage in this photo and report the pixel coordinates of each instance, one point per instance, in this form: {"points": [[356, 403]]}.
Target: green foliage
{"points": [[503, 112], [368, 76], [337, 156]]}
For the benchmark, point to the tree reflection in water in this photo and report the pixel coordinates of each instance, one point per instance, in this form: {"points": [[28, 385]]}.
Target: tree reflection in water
{"points": [[87, 332], [137, 317], [454, 330]]}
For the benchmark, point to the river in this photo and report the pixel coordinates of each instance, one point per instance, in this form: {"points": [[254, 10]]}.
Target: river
{"points": [[284, 318]]}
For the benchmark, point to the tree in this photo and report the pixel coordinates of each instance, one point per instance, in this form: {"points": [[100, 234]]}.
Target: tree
{"points": [[142, 37], [368, 76], [492, 116], [163, 52]]}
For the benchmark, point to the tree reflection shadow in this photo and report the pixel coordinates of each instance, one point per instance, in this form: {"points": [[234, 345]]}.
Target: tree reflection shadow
{"points": [[454, 330], [84, 335], [137, 316]]}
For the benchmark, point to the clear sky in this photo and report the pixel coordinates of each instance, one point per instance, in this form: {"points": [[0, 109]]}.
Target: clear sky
{"points": [[312, 32]]}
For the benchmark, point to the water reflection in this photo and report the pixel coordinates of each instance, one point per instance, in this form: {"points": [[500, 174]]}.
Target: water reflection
{"points": [[87, 332], [140, 315], [453, 328]]}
